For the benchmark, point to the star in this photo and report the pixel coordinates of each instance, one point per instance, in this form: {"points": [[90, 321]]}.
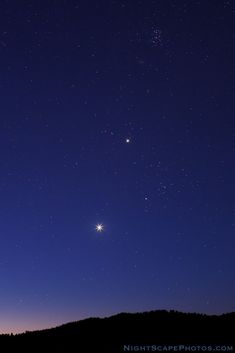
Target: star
{"points": [[99, 227], [128, 140]]}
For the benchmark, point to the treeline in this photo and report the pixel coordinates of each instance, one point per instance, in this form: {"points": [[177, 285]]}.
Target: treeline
{"points": [[111, 334]]}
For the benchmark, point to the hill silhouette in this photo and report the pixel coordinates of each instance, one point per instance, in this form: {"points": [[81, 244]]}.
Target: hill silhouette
{"points": [[127, 332]]}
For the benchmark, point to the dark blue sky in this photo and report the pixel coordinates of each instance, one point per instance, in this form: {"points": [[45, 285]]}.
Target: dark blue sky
{"points": [[78, 78]]}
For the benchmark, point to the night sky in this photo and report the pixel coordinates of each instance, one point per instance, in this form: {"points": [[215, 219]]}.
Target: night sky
{"points": [[117, 144]]}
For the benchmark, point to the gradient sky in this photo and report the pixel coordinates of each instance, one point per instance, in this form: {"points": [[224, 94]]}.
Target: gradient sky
{"points": [[77, 79]]}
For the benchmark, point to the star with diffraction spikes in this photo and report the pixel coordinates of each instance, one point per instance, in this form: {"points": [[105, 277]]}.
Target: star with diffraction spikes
{"points": [[99, 228]]}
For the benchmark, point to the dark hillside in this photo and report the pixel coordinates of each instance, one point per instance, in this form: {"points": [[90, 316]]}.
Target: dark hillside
{"points": [[111, 334]]}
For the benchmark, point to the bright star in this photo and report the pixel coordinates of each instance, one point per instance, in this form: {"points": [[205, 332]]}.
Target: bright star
{"points": [[99, 227], [128, 140]]}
